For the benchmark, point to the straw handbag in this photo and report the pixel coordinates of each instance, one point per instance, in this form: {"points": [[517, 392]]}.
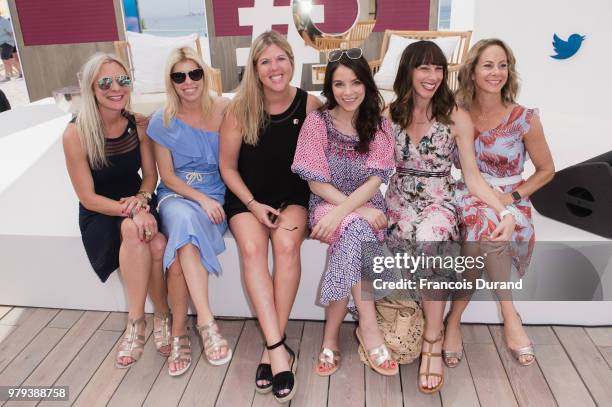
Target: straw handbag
{"points": [[402, 323]]}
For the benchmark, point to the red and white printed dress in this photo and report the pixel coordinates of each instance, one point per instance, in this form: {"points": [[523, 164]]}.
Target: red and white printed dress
{"points": [[500, 153]]}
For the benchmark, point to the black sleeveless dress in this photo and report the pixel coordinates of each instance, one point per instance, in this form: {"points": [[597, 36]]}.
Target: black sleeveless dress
{"points": [[266, 167], [101, 234]]}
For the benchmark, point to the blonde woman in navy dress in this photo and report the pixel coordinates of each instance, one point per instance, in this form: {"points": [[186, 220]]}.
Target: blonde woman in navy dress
{"points": [[191, 195], [105, 148]]}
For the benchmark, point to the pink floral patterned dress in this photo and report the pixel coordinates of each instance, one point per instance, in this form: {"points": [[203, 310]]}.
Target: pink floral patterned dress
{"points": [[324, 154], [500, 153], [420, 204]]}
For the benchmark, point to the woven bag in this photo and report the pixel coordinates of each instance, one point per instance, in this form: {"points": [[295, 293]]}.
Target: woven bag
{"points": [[402, 324]]}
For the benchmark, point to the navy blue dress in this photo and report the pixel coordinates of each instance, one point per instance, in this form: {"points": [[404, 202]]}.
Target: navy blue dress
{"points": [[101, 234]]}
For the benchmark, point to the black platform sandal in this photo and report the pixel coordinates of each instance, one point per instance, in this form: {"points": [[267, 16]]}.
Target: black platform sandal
{"points": [[264, 372], [284, 380]]}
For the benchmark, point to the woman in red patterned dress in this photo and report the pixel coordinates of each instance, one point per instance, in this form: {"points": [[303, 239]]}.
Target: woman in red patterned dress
{"points": [[506, 135]]}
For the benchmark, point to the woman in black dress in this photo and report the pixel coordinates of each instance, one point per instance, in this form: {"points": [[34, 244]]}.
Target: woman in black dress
{"points": [[258, 141], [105, 147]]}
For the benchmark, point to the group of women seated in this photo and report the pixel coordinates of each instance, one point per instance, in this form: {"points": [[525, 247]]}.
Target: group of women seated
{"points": [[277, 165]]}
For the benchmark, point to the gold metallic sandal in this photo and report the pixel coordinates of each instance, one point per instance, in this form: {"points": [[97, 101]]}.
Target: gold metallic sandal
{"points": [[330, 357], [132, 344], [427, 373], [447, 355], [179, 353], [213, 342], [377, 356], [524, 351], [161, 335]]}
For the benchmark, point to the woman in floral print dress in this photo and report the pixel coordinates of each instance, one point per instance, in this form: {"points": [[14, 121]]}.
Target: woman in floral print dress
{"points": [[510, 133], [345, 152], [420, 194]]}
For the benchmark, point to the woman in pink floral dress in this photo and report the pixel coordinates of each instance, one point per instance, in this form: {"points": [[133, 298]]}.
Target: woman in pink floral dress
{"points": [[345, 152], [426, 126], [506, 135]]}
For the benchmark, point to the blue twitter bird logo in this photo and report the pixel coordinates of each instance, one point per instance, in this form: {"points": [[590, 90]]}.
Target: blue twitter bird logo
{"points": [[566, 49]]}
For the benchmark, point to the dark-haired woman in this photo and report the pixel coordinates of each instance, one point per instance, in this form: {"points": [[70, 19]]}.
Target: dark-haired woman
{"points": [[427, 127], [345, 152]]}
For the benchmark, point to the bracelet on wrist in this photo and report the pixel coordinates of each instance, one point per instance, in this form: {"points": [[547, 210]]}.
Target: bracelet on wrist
{"points": [[250, 201], [509, 210]]}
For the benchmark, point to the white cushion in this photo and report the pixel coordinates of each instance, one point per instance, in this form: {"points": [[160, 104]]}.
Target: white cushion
{"points": [[385, 77], [149, 56]]}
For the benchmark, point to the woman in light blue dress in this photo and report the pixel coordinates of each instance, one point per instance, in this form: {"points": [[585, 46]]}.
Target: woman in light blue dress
{"points": [[191, 195]]}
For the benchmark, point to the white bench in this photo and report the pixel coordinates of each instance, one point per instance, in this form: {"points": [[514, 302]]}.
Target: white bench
{"points": [[44, 263]]}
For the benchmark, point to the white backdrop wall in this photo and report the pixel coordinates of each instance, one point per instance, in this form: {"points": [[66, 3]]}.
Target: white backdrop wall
{"points": [[573, 94]]}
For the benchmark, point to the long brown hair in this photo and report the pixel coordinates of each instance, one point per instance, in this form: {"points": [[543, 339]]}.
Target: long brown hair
{"points": [[368, 119], [443, 102], [467, 87]]}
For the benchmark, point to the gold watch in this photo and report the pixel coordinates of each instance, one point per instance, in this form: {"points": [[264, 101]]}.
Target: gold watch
{"points": [[146, 195]]}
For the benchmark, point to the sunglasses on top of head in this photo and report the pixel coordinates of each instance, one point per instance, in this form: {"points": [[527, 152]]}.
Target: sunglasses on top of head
{"points": [[351, 53], [122, 80], [180, 77]]}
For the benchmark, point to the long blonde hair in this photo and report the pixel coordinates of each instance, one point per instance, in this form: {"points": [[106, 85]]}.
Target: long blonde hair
{"points": [[89, 122], [466, 93], [247, 106], [173, 102]]}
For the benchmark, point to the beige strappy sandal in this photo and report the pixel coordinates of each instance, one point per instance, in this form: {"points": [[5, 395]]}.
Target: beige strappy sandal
{"points": [[132, 344], [179, 353], [330, 357], [213, 342], [161, 335], [427, 373], [377, 356]]}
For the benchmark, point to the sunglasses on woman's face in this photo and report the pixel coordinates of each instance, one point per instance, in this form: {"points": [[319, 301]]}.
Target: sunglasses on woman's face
{"points": [[351, 53], [122, 80], [180, 77]]}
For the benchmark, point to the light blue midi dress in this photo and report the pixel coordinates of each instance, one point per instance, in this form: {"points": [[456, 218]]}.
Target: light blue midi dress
{"points": [[195, 156]]}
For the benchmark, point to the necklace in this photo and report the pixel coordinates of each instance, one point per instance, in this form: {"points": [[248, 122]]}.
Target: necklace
{"points": [[484, 116], [343, 124], [427, 120]]}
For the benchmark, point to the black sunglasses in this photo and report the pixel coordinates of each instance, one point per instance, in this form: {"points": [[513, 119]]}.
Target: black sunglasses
{"points": [[122, 80], [274, 217], [180, 77], [352, 53]]}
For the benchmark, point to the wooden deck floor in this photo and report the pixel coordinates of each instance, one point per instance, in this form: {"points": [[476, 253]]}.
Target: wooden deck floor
{"points": [[77, 349]]}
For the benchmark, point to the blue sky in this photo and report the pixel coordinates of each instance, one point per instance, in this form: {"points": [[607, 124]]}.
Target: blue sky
{"points": [[165, 8]]}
